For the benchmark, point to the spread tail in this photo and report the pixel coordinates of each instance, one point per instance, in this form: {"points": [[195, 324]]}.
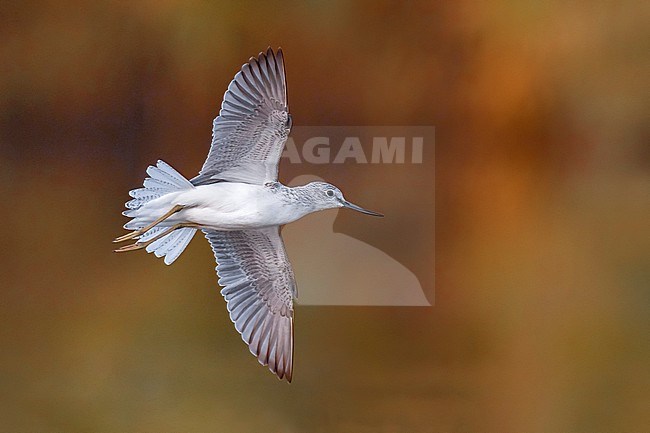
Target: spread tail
{"points": [[162, 240]]}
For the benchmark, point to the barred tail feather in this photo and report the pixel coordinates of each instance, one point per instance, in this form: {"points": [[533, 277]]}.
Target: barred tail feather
{"points": [[172, 245], [162, 180]]}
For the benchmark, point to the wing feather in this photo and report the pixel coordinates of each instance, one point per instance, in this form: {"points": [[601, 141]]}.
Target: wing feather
{"points": [[259, 286], [253, 124]]}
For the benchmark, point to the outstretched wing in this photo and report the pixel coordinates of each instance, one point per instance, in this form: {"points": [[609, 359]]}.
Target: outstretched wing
{"points": [[259, 286], [254, 122]]}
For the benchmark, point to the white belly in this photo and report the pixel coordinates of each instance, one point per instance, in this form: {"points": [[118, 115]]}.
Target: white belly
{"points": [[234, 206]]}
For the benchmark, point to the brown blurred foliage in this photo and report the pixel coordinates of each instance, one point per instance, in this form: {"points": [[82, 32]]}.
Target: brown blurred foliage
{"points": [[542, 233]]}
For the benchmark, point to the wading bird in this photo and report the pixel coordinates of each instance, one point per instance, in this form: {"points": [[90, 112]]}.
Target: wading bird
{"points": [[238, 203]]}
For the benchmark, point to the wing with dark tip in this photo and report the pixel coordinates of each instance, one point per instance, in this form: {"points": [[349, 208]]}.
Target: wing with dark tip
{"points": [[259, 286], [254, 122]]}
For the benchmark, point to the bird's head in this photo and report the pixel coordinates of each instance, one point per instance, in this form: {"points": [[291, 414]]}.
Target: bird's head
{"points": [[326, 196]]}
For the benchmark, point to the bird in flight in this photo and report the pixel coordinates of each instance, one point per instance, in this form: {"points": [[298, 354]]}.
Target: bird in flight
{"points": [[239, 205]]}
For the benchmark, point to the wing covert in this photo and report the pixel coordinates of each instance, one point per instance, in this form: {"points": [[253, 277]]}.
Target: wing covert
{"points": [[259, 286], [253, 124]]}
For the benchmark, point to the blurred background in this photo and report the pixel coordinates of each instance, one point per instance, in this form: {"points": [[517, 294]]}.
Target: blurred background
{"points": [[542, 236]]}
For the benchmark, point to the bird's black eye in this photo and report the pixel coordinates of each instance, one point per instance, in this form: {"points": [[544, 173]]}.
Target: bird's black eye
{"points": [[329, 193]]}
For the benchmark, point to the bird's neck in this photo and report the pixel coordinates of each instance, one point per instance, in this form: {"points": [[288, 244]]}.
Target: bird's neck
{"points": [[298, 197]]}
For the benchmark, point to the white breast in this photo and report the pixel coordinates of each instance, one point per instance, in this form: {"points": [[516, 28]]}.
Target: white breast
{"points": [[234, 206]]}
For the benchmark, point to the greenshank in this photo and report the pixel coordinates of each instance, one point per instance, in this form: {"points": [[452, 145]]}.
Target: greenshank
{"points": [[238, 203]]}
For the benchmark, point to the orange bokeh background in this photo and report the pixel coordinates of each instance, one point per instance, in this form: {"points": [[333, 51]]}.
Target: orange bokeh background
{"points": [[542, 240]]}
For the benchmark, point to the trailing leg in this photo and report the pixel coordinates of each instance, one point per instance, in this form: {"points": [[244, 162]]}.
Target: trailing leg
{"points": [[143, 230]]}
